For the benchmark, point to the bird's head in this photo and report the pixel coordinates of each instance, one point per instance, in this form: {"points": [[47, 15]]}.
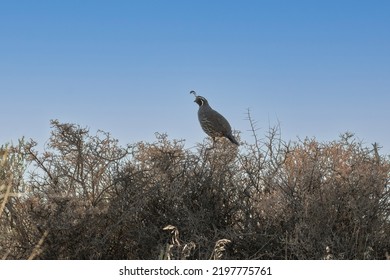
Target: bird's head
{"points": [[200, 100]]}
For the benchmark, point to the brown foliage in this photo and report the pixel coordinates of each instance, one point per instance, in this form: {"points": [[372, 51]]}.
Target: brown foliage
{"points": [[85, 197]]}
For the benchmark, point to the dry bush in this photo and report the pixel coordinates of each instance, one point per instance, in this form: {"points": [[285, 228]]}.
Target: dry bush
{"points": [[12, 169], [164, 184], [338, 196], [85, 197], [69, 188]]}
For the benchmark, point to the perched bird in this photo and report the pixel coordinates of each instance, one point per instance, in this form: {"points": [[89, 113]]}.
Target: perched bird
{"points": [[212, 122]]}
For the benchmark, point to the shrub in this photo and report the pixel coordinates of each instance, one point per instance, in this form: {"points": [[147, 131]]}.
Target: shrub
{"points": [[86, 197]]}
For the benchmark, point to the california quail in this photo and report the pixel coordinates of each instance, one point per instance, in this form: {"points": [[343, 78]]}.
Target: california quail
{"points": [[212, 122]]}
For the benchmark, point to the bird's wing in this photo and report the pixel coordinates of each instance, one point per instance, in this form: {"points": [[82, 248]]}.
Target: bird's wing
{"points": [[220, 122]]}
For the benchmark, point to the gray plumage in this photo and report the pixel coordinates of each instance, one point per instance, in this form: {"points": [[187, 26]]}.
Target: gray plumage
{"points": [[212, 122]]}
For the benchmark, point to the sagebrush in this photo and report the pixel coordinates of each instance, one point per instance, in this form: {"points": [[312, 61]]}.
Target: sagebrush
{"points": [[86, 197]]}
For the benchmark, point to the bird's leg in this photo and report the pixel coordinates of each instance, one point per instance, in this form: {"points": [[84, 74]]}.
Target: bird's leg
{"points": [[213, 146], [214, 143]]}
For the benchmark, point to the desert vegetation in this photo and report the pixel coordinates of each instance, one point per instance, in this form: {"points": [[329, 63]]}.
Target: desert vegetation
{"points": [[87, 197]]}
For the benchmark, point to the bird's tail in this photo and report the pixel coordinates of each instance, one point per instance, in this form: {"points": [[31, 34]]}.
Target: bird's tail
{"points": [[232, 139]]}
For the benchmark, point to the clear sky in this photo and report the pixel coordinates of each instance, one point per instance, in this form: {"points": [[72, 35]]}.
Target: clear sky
{"points": [[320, 68]]}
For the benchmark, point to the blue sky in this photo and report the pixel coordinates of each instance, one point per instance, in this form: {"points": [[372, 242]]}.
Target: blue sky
{"points": [[320, 68]]}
